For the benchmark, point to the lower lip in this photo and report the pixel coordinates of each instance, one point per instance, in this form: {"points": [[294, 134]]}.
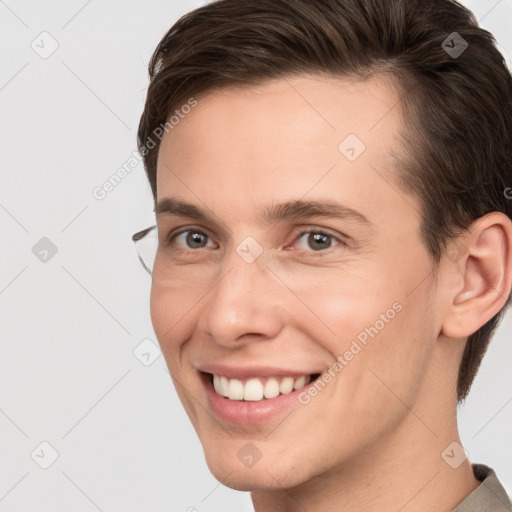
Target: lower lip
{"points": [[243, 412]]}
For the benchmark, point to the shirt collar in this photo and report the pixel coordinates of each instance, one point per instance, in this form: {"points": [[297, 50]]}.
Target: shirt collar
{"points": [[489, 496]]}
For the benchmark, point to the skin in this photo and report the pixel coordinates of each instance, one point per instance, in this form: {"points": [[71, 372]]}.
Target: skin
{"points": [[372, 439]]}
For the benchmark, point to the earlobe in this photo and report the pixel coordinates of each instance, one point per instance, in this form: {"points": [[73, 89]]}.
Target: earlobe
{"points": [[485, 269]]}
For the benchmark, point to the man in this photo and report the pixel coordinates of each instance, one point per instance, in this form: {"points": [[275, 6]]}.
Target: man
{"points": [[327, 378]]}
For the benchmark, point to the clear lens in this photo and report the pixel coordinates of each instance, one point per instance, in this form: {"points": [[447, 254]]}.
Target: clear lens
{"points": [[146, 243]]}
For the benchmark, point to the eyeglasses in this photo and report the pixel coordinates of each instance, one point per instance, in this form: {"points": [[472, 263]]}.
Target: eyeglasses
{"points": [[146, 243]]}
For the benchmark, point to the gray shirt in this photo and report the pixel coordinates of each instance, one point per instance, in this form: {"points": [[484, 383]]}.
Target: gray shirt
{"points": [[489, 496]]}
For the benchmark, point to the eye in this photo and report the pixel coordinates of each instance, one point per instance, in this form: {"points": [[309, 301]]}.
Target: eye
{"points": [[190, 239], [307, 241], [317, 241]]}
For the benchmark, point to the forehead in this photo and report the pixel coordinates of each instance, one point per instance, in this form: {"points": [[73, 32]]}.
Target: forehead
{"points": [[283, 139]]}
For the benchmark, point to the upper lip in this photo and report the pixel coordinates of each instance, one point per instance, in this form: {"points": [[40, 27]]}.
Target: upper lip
{"points": [[245, 372]]}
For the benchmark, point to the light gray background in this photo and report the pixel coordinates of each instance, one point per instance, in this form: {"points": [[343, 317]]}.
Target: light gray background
{"points": [[68, 327]]}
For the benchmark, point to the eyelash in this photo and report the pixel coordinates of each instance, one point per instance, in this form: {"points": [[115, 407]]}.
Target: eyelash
{"points": [[171, 238]]}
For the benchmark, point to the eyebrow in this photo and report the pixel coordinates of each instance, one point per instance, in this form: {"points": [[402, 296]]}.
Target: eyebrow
{"points": [[294, 209]]}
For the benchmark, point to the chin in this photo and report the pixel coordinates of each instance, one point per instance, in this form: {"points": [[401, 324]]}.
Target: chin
{"points": [[266, 474]]}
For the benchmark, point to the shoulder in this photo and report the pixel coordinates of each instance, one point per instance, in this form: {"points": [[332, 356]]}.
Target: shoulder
{"points": [[489, 496]]}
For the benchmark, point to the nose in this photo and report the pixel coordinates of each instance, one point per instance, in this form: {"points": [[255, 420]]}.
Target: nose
{"points": [[245, 304]]}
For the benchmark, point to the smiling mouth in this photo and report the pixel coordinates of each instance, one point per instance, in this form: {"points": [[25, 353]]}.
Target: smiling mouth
{"points": [[257, 389]]}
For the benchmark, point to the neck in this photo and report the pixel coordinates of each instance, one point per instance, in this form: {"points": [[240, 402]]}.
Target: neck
{"points": [[404, 472]]}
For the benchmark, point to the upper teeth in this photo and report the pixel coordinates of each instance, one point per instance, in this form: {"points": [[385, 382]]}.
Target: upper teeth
{"points": [[255, 389]]}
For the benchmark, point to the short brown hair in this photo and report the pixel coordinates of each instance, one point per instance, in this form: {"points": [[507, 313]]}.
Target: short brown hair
{"points": [[458, 108]]}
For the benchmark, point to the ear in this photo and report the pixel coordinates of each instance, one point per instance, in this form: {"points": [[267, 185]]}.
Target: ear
{"points": [[481, 267]]}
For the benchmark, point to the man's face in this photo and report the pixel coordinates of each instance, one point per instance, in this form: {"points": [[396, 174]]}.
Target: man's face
{"points": [[244, 296]]}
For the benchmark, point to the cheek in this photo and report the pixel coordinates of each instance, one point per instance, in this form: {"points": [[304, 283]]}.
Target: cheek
{"points": [[340, 306], [157, 310], [372, 326], [172, 312], [396, 349]]}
